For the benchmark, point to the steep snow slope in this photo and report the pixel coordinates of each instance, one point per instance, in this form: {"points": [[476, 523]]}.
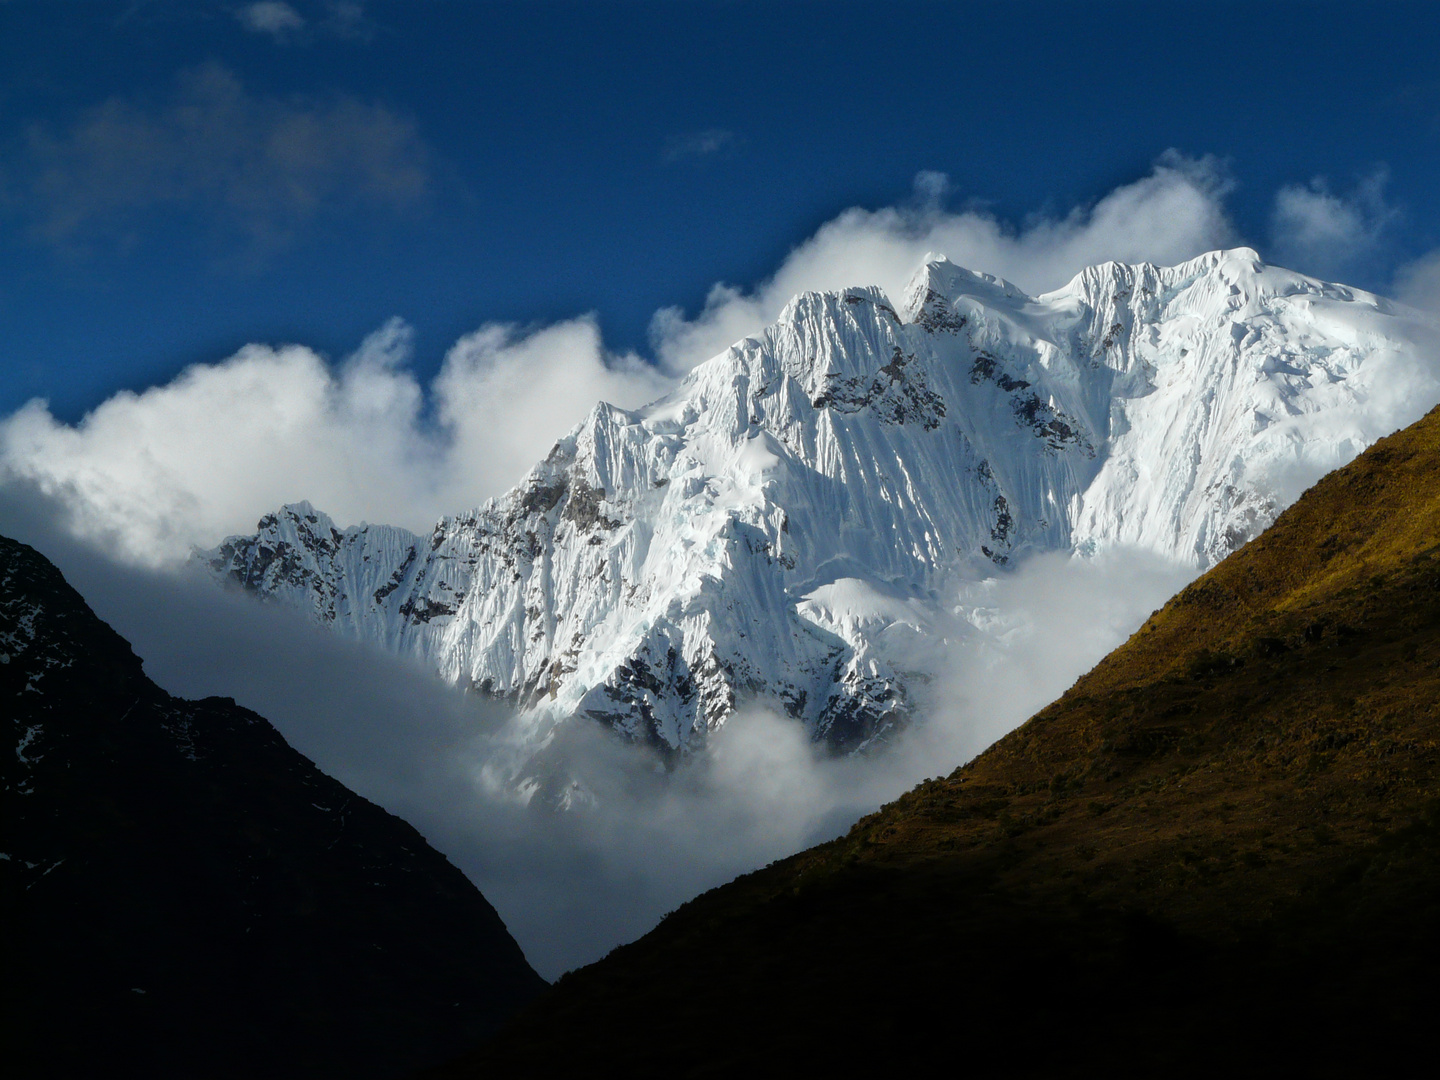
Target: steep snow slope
{"points": [[791, 523]]}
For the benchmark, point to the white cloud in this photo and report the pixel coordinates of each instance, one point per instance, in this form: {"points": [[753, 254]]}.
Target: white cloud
{"points": [[506, 395], [187, 463], [699, 144], [1317, 232], [1174, 213], [1418, 283], [270, 17]]}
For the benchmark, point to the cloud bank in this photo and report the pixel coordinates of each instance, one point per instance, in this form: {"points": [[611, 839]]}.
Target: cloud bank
{"points": [[149, 475], [573, 885], [1174, 213]]}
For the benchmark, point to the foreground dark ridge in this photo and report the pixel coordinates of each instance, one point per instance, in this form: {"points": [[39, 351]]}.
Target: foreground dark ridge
{"points": [[184, 895], [1219, 850]]}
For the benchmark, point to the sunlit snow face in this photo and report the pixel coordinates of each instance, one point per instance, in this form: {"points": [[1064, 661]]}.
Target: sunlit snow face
{"points": [[786, 528]]}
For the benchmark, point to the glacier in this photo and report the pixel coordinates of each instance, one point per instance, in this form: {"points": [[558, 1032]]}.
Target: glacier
{"points": [[791, 527]]}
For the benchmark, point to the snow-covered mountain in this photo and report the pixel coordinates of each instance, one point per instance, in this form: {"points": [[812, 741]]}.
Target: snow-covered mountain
{"points": [[790, 525]]}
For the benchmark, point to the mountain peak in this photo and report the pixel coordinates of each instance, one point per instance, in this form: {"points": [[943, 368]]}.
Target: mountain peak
{"points": [[939, 281], [742, 539]]}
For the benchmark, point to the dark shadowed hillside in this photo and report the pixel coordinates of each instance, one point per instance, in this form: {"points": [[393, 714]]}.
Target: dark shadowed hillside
{"points": [[1220, 850], [184, 895]]}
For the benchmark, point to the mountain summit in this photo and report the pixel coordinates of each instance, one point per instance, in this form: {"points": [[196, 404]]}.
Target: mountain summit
{"points": [[785, 527]]}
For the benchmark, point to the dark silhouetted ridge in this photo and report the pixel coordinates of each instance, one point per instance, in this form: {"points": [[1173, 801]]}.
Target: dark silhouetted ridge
{"points": [[184, 895], [1218, 852]]}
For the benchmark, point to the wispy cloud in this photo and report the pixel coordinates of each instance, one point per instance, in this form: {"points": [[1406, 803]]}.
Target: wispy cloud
{"points": [[288, 26], [273, 17], [699, 144], [347, 19], [263, 165], [1418, 283], [1316, 231]]}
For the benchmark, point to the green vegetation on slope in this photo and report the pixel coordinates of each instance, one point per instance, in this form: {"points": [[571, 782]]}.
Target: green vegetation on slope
{"points": [[1219, 849]]}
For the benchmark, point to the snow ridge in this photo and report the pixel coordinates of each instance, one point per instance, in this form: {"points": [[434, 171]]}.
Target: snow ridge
{"points": [[785, 527]]}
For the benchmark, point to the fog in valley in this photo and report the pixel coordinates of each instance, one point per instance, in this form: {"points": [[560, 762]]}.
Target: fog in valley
{"points": [[640, 838]]}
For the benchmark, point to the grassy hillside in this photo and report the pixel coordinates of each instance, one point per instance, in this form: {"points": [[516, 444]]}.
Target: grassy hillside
{"points": [[1219, 849]]}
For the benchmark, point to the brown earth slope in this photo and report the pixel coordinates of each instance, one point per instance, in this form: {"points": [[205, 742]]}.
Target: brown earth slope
{"points": [[1219, 850]]}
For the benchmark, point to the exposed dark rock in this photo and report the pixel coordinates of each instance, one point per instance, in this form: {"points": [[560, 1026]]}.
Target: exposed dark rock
{"points": [[541, 498], [583, 507], [1048, 423], [397, 577], [897, 394], [938, 316], [1000, 531], [425, 609], [988, 367], [183, 895]]}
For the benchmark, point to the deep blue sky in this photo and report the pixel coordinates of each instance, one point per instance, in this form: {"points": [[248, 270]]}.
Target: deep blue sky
{"points": [[534, 161]]}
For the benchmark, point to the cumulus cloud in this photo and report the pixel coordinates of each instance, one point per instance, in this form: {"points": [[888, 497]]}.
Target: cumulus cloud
{"points": [[189, 462], [259, 164], [1318, 232], [1174, 213], [503, 393], [573, 885], [270, 17], [699, 144]]}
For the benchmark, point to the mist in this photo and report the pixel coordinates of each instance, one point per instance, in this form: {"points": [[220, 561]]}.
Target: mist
{"points": [[572, 884]]}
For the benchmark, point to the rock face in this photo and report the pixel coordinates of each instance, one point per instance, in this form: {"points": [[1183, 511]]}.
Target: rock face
{"points": [[185, 895], [786, 525]]}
